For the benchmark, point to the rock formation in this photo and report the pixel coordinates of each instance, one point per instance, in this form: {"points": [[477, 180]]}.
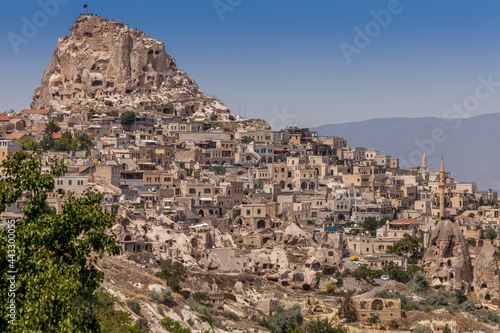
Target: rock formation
{"points": [[104, 65], [447, 261], [486, 284], [293, 235]]}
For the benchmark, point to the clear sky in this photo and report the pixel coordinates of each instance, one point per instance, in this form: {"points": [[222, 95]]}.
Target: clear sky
{"points": [[284, 57]]}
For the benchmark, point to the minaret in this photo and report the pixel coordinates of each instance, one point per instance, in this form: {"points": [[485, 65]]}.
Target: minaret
{"points": [[424, 170], [441, 190]]}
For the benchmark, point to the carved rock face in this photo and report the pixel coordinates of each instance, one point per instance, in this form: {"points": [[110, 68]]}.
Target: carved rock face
{"points": [[447, 261], [105, 64], [486, 284]]}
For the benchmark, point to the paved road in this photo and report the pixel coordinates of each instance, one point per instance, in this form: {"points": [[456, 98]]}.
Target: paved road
{"points": [[379, 285]]}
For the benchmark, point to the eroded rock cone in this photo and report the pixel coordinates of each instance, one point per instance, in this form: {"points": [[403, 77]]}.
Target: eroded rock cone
{"points": [[447, 261], [486, 284]]}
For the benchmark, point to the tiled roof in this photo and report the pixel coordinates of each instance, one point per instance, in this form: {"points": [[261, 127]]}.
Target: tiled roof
{"points": [[36, 111], [15, 135], [403, 221]]}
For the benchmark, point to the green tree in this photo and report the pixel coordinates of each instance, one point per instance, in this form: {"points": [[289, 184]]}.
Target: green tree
{"points": [[220, 170], [62, 144], [347, 309], [363, 272], [491, 234], [28, 143], [52, 127], [283, 319], [371, 224], [173, 272], [247, 139], [83, 142], [47, 142], [127, 118], [395, 273], [407, 246], [55, 254]]}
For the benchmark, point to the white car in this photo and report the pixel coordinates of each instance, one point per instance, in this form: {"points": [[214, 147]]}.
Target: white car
{"points": [[385, 277], [227, 165]]}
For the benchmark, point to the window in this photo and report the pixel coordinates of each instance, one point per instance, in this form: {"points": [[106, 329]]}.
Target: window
{"points": [[258, 211], [248, 211], [207, 191], [192, 191], [69, 182]]}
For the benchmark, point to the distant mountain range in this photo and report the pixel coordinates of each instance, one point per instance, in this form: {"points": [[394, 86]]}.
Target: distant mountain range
{"points": [[470, 147]]}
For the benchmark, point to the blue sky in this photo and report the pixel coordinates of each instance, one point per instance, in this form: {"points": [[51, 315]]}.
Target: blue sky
{"points": [[284, 57]]}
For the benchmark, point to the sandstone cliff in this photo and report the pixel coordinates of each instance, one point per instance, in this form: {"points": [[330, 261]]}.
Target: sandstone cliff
{"points": [[104, 65]]}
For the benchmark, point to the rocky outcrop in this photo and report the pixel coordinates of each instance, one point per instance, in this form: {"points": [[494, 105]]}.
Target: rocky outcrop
{"points": [[486, 284], [104, 65], [447, 261], [294, 235]]}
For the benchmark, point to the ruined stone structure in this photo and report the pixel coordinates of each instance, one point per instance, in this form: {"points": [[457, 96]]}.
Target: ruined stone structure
{"points": [[386, 309]]}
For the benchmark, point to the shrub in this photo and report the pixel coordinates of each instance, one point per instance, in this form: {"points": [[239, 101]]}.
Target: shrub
{"points": [[418, 282], [393, 325], [134, 306], [330, 288], [324, 326], [412, 306], [373, 319], [468, 306], [173, 273], [441, 298], [142, 325], [419, 329], [206, 314], [486, 316], [173, 326], [166, 295], [201, 297], [427, 309], [283, 319], [154, 295], [458, 297]]}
